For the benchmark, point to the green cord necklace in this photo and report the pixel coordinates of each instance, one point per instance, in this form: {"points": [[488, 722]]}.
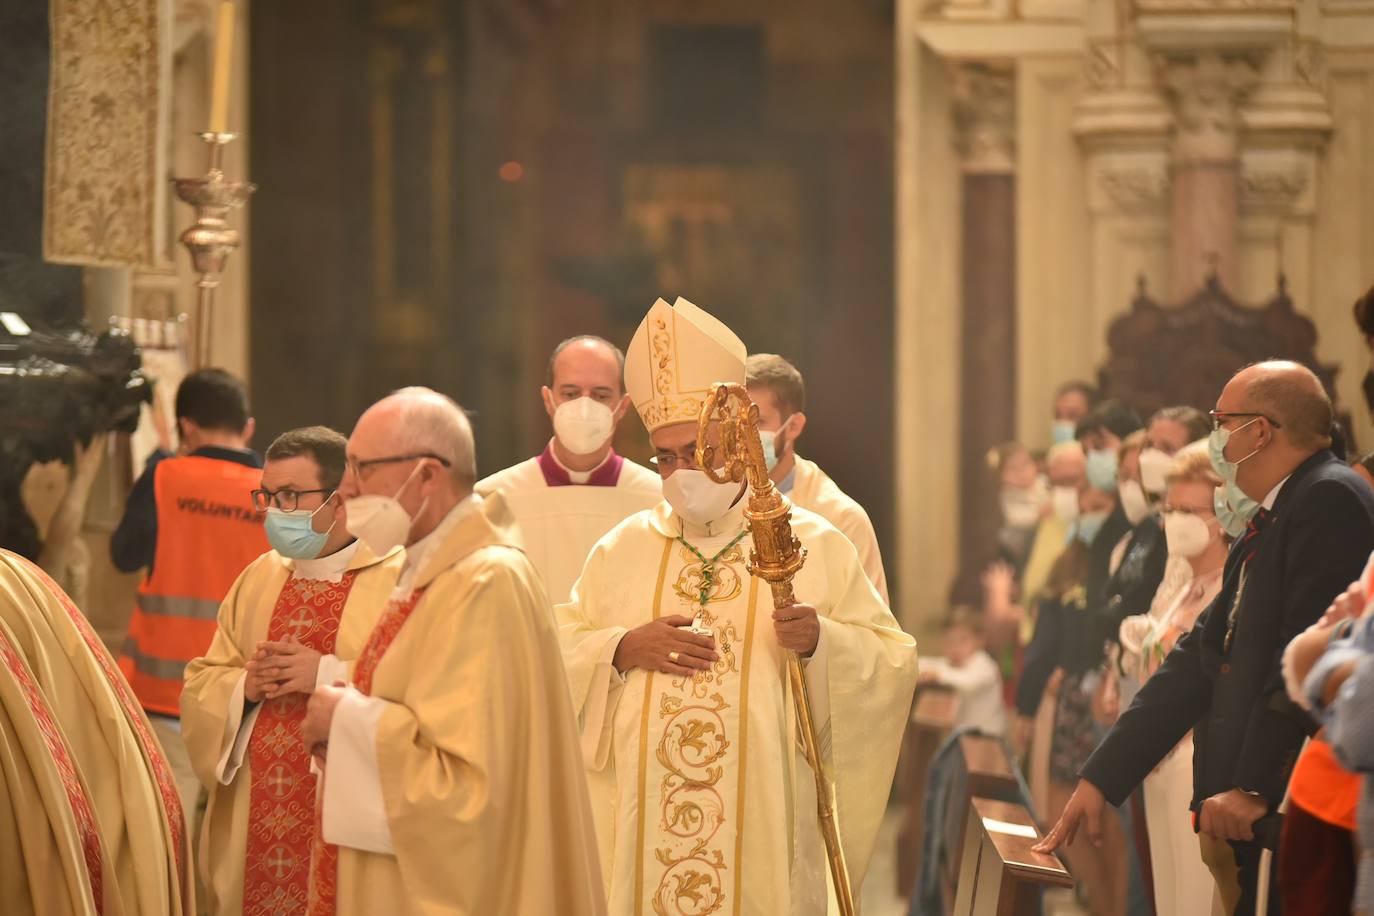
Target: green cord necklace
{"points": [[708, 567]]}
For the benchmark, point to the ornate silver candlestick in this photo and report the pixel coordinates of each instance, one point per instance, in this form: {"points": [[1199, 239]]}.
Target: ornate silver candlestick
{"points": [[210, 239]]}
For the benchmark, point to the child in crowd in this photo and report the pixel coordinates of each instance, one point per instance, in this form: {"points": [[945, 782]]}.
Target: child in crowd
{"points": [[968, 669]]}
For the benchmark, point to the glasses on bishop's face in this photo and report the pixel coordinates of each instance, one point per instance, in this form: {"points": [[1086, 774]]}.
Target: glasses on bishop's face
{"points": [[685, 459], [671, 461], [286, 499]]}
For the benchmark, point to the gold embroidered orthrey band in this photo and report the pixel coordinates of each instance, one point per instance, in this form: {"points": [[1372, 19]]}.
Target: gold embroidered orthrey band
{"points": [[699, 740], [744, 739], [644, 739]]}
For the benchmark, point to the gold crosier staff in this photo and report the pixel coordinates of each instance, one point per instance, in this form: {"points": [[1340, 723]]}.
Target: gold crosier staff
{"points": [[776, 558]]}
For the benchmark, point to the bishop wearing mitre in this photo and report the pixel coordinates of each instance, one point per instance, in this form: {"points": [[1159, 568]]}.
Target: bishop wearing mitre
{"points": [[676, 657]]}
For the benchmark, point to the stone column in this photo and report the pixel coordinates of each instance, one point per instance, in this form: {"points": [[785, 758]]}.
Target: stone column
{"points": [[1206, 90], [985, 124]]}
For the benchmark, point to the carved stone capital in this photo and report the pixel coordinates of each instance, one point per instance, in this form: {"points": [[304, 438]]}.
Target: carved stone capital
{"points": [[1102, 63], [985, 117], [1131, 183], [1136, 186], [1279, 181], [1206, 90]]}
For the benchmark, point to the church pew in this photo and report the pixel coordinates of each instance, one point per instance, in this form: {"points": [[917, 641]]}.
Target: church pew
{"points": [[932, 720], [999, 873], [985, 772]]}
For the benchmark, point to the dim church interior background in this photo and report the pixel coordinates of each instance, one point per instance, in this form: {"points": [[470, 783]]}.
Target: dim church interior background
{"points": [[936, 210]]}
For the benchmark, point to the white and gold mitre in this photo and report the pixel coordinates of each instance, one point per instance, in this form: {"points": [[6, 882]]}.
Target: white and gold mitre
{"points": [[676, 355]]}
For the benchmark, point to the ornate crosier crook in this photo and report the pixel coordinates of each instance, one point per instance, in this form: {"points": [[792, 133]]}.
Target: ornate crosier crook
{"points": [[776, 557]]}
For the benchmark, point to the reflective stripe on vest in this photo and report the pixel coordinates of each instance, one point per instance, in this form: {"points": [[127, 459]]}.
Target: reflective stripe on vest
{"points": [[161, 668], [207, 533], [171, 606]]}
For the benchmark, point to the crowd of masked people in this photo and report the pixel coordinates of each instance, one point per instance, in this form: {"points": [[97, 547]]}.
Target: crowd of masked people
{"points": [[1178, 618]]}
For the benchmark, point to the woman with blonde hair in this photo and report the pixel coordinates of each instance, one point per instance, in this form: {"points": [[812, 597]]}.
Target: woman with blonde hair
{"points": [[1182, 883]]}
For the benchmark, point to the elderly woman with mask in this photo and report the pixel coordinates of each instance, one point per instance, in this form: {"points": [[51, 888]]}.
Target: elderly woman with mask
{"points": [[1182, 883]]}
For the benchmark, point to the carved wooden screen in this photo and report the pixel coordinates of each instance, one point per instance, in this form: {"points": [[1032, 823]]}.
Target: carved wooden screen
{"points": [[1184, 354]]}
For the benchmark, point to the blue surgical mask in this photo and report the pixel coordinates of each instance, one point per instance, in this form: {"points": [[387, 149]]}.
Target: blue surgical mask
{"points": [[1233, 508], [769, 438], [291, 533], [1102, 469], [1089, 525], [1062, 431], [1233, 521]]}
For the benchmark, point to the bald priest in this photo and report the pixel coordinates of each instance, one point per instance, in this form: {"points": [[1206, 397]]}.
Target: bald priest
{"points": [[578, 488]]}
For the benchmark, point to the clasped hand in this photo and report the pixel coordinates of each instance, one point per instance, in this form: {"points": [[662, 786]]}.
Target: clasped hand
{"points": [[278, 668]]}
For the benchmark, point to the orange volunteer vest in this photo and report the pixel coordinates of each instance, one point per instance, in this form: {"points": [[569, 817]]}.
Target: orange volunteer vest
{"points": [[1323, 788], [207, 533]]}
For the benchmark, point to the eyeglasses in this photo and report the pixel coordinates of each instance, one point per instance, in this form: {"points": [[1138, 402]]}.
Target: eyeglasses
{"points": [[671, 461], [1221, 416], [284, 499], [360, 468]]}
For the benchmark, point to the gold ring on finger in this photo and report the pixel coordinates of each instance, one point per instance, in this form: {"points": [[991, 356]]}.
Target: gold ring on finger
{"points": [[673, 657]]}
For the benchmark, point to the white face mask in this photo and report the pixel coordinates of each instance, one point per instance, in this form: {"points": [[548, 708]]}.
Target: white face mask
{"points": [[381, 522], [1021, 508], [698, 498], [583, 425], [1133, 501], [1065, 502], [1154, 468], [1187, 535]]}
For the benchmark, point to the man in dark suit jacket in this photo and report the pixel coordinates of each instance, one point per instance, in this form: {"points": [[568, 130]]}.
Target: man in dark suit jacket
{"points": [[1307, 542]]}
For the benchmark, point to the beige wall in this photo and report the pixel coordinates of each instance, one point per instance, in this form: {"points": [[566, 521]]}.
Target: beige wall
{"points": [[928, 329], [1093, 148], [1058, 319], [1343, 232]]}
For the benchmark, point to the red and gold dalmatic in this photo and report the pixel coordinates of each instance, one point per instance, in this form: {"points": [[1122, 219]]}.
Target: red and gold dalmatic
{"points": [[281, 814]]}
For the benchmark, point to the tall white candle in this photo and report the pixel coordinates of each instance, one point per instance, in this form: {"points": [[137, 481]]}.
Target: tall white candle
{"points": [[224, 67]]}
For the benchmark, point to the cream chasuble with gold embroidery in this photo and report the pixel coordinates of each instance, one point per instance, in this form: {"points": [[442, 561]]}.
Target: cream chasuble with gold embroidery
{"points": [[90, 820], [703, 799], [451, 784]]}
